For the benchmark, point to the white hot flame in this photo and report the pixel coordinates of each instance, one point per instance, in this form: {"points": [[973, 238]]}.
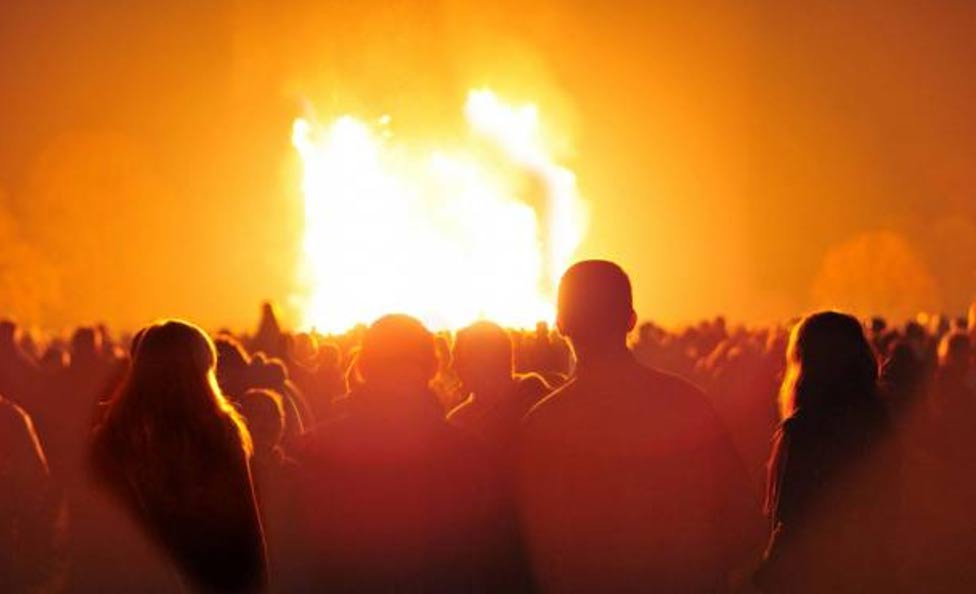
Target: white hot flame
{"points": [[449, 236]]}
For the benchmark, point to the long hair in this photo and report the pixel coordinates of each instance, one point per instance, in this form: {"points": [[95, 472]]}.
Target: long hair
{"points": [[169, 416], [830, 365]]}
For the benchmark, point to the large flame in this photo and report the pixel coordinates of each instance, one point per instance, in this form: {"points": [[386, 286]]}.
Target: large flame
{"points": [[450, 236]]}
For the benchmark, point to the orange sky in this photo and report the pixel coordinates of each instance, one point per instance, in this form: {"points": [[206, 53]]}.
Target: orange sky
{"points": [[727, 152]]}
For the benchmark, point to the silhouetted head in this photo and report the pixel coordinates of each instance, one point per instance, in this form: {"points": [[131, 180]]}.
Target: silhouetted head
{"points": [[233, 364], [303, 347], [268, 373], [8, 332], [265, 416], [830, 364], [268, 327], [915, 332], [595, 305], [171, 390], [269, 314], [55, 359], [329, 356], [397, 350], [878, 325], [955, 351], [483, 355], [86, 344], [28, 345], [182, 349], [903, 370]]}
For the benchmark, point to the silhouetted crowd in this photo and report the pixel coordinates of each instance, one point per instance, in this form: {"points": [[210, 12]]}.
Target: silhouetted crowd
{"points": [[829, 454]]}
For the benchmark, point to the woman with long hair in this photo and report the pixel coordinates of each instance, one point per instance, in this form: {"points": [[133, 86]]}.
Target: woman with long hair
{"points": [[175, 454], [833, 488]]}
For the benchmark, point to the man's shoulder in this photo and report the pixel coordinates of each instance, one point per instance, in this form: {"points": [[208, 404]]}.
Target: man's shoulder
{"points": [[551, 404], [638, 389], [681, 398], [664, 382]]}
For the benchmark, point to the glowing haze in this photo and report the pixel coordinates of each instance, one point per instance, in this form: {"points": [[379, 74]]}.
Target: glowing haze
{"points": [[479, 229]]}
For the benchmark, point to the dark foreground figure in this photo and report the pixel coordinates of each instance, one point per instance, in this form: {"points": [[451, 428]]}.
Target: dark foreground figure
{"points": [[834, 474], [174, 453], [395, 499], [623, 480], [497, 397], [628, 481]]}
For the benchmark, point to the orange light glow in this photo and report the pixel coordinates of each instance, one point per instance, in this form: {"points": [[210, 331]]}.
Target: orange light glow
{"points": [[450, 235]]}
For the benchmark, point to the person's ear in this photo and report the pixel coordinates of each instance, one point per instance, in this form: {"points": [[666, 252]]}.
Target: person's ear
{"points": [[632, 321]]}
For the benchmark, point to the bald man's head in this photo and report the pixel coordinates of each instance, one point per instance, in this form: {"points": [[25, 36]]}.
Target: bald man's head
{"points": [[397, 347], [595, 302]]}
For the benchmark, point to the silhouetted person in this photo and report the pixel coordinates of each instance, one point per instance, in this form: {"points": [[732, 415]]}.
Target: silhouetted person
{"points": [[904, 389], [329, 381], [28, 507], [269, 338], [940, 476], [833, 491], [272, 374], [628, 481], [496, 397], [175, 454], [395, 498], [17, 370], [233, 366], [275, 476], [69, 413], [954, 390]]}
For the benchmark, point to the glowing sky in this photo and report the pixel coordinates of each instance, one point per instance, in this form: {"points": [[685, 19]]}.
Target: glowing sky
{"points": [[728, 152]]}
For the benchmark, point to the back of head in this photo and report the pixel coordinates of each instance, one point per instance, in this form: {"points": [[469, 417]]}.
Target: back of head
{"points": [[268, 373], [55, 358], [175, 348], [902, 363], [171, 391], [483, 350], [86, 344], [397, 349], [233, 363], [830, 364], [8, 333], [230, 353], [595, 302], [265, 416], [955, 351]]}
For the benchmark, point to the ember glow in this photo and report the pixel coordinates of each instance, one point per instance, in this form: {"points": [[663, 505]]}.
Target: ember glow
{"points": [[449, 235]]}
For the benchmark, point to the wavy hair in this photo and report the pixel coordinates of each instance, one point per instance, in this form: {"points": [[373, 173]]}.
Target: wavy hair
{"points": [[170, 414], [829, 365]]}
